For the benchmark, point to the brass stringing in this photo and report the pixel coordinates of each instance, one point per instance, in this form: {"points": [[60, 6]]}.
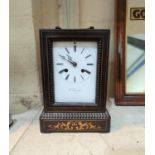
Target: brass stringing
{"points": [[74, 125]]}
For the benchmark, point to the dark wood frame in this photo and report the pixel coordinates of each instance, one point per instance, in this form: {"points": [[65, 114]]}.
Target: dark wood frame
{"points": [[46, 39], [121, 98]]}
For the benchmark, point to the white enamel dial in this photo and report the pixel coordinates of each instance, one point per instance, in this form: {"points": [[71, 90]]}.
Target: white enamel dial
{"points": [[75, 72]]}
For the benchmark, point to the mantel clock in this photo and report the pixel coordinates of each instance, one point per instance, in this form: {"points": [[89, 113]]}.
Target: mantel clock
{"points": [[74, 75]]}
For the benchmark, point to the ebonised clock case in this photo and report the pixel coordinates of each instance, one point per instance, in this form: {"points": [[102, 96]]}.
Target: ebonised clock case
{"points": [[54, 118]]}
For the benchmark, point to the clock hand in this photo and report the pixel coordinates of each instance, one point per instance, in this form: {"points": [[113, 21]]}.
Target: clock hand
{"points": [[72, 62], [63, 57], [69, 60], [69, 57]]}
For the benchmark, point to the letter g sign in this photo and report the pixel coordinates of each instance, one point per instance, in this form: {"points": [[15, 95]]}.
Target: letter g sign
{"points": [[137, 13]]}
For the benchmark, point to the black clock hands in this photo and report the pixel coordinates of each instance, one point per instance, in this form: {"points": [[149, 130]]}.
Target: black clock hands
{"points": [[69, 60], [69, 57]]}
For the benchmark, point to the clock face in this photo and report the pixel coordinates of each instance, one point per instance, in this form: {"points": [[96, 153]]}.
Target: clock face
{"points": [[74, 65]]}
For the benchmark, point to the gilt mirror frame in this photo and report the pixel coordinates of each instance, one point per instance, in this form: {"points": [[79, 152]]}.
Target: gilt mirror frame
{"points": [[121, 97]]}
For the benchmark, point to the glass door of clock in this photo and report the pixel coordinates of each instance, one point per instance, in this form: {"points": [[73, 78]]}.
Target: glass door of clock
{"points": [[74, 65]]}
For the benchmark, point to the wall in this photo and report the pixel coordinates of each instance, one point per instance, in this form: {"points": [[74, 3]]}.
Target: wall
{"points": [[26, 17], [50, 10], [100, 14], [24, 81]]}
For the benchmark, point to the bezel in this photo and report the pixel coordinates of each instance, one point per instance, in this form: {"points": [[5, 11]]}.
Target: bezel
{"points": [[47, 37]]}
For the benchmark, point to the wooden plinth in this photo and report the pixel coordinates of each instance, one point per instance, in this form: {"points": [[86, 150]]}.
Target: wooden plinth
{"points": [[74, 122]]}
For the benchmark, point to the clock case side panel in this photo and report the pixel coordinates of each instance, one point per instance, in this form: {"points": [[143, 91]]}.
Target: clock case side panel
{"points": [[47, 67], [44, 67], [121, 98]]}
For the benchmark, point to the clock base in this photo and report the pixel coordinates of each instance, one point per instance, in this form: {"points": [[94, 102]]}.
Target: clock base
{"points": [[74, 122]]}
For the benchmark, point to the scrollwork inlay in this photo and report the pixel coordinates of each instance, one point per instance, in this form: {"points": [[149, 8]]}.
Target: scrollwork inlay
{"points": [[74, 125]]}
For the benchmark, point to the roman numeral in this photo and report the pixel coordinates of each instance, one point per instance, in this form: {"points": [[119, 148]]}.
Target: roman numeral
{"points": [[74, 46], [66, 78], [87, 56], [74, 79], [59, 64], [90, 64], [67, 50], [82, 77], [82, 50]]}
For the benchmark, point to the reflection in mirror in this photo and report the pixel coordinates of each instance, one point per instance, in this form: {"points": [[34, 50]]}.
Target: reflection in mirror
{"points": [[135, 47]]}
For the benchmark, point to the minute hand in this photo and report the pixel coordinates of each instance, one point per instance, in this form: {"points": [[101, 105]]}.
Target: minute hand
{"points": [[70, 61]]}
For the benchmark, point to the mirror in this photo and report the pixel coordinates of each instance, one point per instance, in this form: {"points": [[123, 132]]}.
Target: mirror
{"points": [[135, 47], [130, 53]]}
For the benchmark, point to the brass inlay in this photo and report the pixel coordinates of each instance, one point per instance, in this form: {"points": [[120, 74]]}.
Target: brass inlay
{"points": [[74, 125]]}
